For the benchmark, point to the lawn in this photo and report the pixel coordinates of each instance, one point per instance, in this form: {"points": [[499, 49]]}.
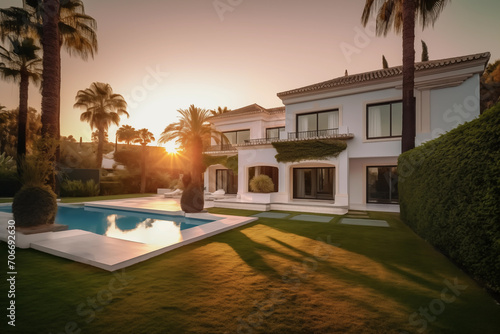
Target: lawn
{"points": [[270, 276]]}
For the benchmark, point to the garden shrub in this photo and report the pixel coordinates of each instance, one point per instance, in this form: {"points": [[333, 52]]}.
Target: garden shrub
{"points": [[261, 184], [34, 205], [192, 199], [77, 188], [449, 191]]}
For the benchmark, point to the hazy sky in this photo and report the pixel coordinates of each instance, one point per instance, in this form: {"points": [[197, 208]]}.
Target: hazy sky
{"points": [[163, 55]]}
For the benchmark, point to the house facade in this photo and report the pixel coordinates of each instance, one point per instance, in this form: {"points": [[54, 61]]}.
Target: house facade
{"points": [[363, 110]]}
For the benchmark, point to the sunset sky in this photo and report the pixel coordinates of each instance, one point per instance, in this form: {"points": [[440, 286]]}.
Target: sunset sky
{"points": [[163, 55]]}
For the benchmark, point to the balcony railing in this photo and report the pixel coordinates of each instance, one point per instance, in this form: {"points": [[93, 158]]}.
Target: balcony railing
{"points": [[260, 141], [327, 133], [220, 148]]}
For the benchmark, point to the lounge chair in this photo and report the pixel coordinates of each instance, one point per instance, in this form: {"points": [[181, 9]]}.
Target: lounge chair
{"points": [[218, 194], [175, 193]]}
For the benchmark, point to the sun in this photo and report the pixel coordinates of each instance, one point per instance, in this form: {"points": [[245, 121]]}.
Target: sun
{"points": [[171, 147]]}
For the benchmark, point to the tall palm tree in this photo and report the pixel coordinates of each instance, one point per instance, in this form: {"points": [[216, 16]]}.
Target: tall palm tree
{"points": [[400, 15], [102, 107], [190, 132], [144, 137], [57, 23], [21, 64], [51, 79], [127, 134]]}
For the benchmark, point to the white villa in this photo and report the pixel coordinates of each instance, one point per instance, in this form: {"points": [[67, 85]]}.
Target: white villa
{"points": [[365, 111]]}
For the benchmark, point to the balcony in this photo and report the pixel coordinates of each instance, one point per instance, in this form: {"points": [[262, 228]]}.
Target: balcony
{"points": [[343, 134], [327, 133], [220, 148], [259, 141]]}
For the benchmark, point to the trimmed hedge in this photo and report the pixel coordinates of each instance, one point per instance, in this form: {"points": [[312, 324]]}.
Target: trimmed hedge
{"points": [[34, 205], [295, 151], [449, 191]]}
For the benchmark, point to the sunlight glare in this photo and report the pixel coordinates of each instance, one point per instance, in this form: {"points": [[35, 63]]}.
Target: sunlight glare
{"points": [[171, 147]]}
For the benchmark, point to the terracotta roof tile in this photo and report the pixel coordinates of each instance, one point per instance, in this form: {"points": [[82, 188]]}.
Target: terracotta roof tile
{"points": [[384, 73], [251, 109]]}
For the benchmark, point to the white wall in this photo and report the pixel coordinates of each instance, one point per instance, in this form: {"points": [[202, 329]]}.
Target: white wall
{"points": [[352, 117], [357, 176], [453, 106]]}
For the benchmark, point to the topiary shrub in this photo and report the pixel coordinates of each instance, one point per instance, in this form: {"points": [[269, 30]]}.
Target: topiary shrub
{"points": [[192, 200], [34, 205], [261, 184]]}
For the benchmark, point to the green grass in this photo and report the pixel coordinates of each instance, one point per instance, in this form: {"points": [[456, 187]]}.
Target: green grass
{"points": [[270, 276]]}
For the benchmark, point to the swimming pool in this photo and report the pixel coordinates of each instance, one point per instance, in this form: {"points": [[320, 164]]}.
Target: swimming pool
{"points": [[148, 228]]}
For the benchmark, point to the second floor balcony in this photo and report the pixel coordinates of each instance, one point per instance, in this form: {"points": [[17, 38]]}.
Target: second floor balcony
{"points": [[336, 133]]}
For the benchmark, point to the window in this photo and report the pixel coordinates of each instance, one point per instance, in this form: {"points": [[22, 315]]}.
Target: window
{"points": [[270, 171], [382, 184], [227, 180], [384, 120], [324, 123], [236, 137], [314, 183], [274, 133]]}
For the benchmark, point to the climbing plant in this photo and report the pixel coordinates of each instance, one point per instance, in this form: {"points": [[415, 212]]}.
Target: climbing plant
{"points": [[230, 162], [295, 151]]}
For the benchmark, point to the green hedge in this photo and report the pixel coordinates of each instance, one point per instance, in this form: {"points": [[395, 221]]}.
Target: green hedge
{"points": [[449, 192]]}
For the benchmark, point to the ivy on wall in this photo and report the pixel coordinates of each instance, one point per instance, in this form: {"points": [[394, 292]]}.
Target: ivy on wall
{"points": [[294, 151], [230, 162]]}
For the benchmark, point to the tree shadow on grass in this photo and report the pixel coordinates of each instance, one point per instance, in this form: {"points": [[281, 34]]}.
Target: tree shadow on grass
{"points": [[248, 250]]}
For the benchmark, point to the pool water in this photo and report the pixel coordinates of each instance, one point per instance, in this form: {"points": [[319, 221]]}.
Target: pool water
{"points": [[148, 228]]}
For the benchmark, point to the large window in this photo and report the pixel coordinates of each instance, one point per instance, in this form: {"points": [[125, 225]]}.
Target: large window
{"points": [[270, 171], [384, 120], [274, 133], [236, 137], [324, 123], [382, 184], [314, 183]]}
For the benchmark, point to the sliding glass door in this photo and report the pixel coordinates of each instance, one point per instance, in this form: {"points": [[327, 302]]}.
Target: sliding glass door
{"points": [[314, 183]]}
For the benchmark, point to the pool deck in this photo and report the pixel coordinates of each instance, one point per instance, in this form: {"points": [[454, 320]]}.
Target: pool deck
{"points": [[113, 254]]}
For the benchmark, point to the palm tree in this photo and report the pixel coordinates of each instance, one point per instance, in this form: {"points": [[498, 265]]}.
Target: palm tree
{"points": [[51, 79], [144, 137], [102, 107], [57, 24], [219, 111], [21, 64], [400, 15], [127, 134], [192, 130], [77, 29]]}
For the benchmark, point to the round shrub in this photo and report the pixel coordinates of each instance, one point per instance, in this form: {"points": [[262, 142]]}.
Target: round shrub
{"points": [[261, 184], [192, 200], [33, 206]]}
